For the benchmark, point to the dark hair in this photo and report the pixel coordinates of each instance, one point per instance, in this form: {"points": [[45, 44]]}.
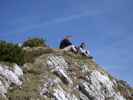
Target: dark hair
{"points": [[82, 45]]}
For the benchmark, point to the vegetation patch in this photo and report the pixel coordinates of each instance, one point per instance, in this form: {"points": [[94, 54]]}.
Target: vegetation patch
{"points": [[35, 42], [10, 52]]}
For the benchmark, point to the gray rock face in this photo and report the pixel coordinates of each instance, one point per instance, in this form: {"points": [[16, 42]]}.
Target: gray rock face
{"points": [[95, 86], [99, 87], [9, 77], [61, 77], [59, 67]]}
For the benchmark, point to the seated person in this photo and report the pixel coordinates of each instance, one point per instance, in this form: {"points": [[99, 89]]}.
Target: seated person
{"points": [[82, 49], [66, 45]]}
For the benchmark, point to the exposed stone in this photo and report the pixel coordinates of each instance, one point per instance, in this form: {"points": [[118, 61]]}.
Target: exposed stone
{"points": [[56, 75], [9, 77], [59, 67], [60, 94], [99, 87]]}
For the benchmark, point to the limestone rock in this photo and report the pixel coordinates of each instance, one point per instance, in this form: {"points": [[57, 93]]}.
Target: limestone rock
{"points": [[57, 75]]}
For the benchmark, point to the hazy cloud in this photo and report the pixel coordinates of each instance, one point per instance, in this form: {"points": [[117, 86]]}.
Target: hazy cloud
{"points": [[59, 20]]}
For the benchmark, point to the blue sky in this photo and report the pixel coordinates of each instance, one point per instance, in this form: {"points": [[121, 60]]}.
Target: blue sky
{"points": [[105, 25]]}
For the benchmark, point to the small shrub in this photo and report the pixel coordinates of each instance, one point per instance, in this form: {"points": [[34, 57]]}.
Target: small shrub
{"points": [[34, 42], [11, 53]]}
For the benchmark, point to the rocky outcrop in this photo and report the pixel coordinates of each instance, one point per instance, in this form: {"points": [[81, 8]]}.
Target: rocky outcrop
{"points": [[58, 75], [99, 87], [9, 76]]}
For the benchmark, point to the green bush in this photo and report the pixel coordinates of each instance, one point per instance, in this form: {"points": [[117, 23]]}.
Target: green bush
{"points": [[34, 42], [11, 53]]}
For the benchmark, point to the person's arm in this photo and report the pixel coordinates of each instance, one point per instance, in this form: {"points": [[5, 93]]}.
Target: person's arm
{"points": [[88, 52], [81, 50]]}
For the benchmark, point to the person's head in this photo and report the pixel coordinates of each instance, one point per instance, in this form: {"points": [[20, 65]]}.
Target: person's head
{"points": [[83, 45], [68, 37]]}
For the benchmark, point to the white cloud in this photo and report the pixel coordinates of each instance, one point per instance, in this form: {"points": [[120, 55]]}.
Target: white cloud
{"points": [[75, 16], [63, 19]]}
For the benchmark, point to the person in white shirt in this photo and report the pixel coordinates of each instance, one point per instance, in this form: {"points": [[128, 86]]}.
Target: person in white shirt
{"points": [[82, 49]]}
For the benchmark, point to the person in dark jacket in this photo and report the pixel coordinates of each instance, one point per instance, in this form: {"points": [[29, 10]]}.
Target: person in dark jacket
{"points": [[65, 42], [66, 45]]}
